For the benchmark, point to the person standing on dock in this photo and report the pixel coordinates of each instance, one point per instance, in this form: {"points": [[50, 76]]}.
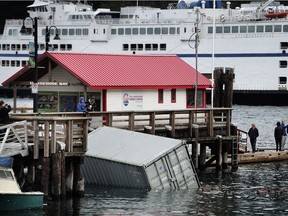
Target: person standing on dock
{"points": [[278, 133], [253, 133], [284, 136]]}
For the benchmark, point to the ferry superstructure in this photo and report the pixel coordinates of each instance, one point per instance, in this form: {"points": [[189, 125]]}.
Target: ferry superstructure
{"points": [[252, 38]]}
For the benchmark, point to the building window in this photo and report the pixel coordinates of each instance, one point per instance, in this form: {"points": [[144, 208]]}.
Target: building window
{"points": [[125, 47], [283, 64], [173, 95], [191, 98], [162, 46], [160, 96]]}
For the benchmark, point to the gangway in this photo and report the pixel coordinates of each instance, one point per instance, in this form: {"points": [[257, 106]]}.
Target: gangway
{"points": [[14, 139]]}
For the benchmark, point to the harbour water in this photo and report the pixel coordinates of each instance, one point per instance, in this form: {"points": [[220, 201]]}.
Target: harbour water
{"points": [[255, 189]]}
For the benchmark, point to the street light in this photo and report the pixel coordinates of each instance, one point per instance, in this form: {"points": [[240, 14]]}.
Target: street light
{"points": [[47, 36], [34, 87]]}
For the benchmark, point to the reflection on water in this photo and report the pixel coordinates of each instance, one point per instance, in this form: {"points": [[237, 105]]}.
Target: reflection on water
{"points": [[256, 189]]}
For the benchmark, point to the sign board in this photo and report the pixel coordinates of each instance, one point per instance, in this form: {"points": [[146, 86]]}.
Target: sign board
{"points": [[34, 88]]}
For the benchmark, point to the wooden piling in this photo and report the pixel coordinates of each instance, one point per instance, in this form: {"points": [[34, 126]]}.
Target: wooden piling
{"points": [[218, 155], [195, 134], [202, 158]]}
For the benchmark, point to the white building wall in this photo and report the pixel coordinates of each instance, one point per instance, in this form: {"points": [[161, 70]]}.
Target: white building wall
{"points": [[144, 100]]}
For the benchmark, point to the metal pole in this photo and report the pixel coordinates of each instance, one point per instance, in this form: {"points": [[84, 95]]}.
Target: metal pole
{"points": [[196, 56], [213, 54], [35, 76], [47, 38]]}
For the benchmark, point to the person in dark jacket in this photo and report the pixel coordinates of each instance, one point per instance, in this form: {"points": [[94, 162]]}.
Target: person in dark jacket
{"points": [[253, 133], [91, 104], [278, 133], [4, 116], [4, 113]]}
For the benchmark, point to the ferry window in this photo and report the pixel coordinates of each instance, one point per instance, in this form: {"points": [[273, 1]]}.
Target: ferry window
{"points": [[219, 29], [10, 32], [120, 31], [62, 47], [162, 46], [78, 31], [69, 46], [125, 47], [165, 30], [155, 47], [24, 46], [41, 46], [226, 29], [210, 30], [149, 31], [64, 31], [71, 31], [135, 31], [113, 31], [282, 80], [184, 29], [142, 31], [23, 63], [7, 63], [260, 28], [0, 46], [18, 47], [140, 47], [251, 29], [133, 47], [160, 96], [51, 31], [284, 45], [268, 28], [85, 31], [277, 28], [12, 63], [104, 31], [178, 30], [235, 29], [17, 63], [285, 28], [283, 64], [157, 31], [55, 46], [173, 95], [243, 29], [13, 47], [172, 30], [127, 31], [148, 47]]}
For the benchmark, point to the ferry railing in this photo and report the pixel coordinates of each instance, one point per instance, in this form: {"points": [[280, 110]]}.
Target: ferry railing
{"points": [[14, 139]]}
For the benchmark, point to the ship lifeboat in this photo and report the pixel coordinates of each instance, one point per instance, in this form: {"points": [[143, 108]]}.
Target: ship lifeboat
{"points": [[276, 15]]}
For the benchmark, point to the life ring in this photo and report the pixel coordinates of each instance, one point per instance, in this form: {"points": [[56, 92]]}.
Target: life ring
{"points": [[222, 18]]}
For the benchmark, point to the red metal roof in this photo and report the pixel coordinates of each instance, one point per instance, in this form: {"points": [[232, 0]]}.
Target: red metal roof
{"points": [[102, 71]]}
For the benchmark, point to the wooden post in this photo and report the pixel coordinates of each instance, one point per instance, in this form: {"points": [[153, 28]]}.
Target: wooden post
{"points": [[78, 184], [218, 152], [56, 175], [69, 176], [147, 129], [45, 175], [229, 77], [224, 156], [202, 159], [63, 173], [218, 90], [195, 133]]}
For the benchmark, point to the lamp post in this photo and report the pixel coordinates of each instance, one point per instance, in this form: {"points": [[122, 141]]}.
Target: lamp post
{"points": [[34, 87], [47, 36]]}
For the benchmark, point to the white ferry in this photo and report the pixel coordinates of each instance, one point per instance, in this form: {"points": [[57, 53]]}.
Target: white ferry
{"points": [[251, 39]]}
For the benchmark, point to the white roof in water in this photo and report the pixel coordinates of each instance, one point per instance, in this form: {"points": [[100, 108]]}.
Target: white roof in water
{"points": [[130, 147]]}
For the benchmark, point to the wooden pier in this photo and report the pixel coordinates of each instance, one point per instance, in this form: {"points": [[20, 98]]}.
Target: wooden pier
{"points": [[58, 141]]}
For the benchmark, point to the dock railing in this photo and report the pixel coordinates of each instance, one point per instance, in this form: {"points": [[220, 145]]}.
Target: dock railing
{"points": [[46, 130]]}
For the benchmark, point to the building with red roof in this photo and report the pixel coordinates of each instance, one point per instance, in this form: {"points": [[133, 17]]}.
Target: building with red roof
{"points": [[119, 82]]}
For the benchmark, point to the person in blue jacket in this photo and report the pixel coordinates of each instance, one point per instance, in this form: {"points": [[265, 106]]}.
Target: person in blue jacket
{"points": [[81, 106]]}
